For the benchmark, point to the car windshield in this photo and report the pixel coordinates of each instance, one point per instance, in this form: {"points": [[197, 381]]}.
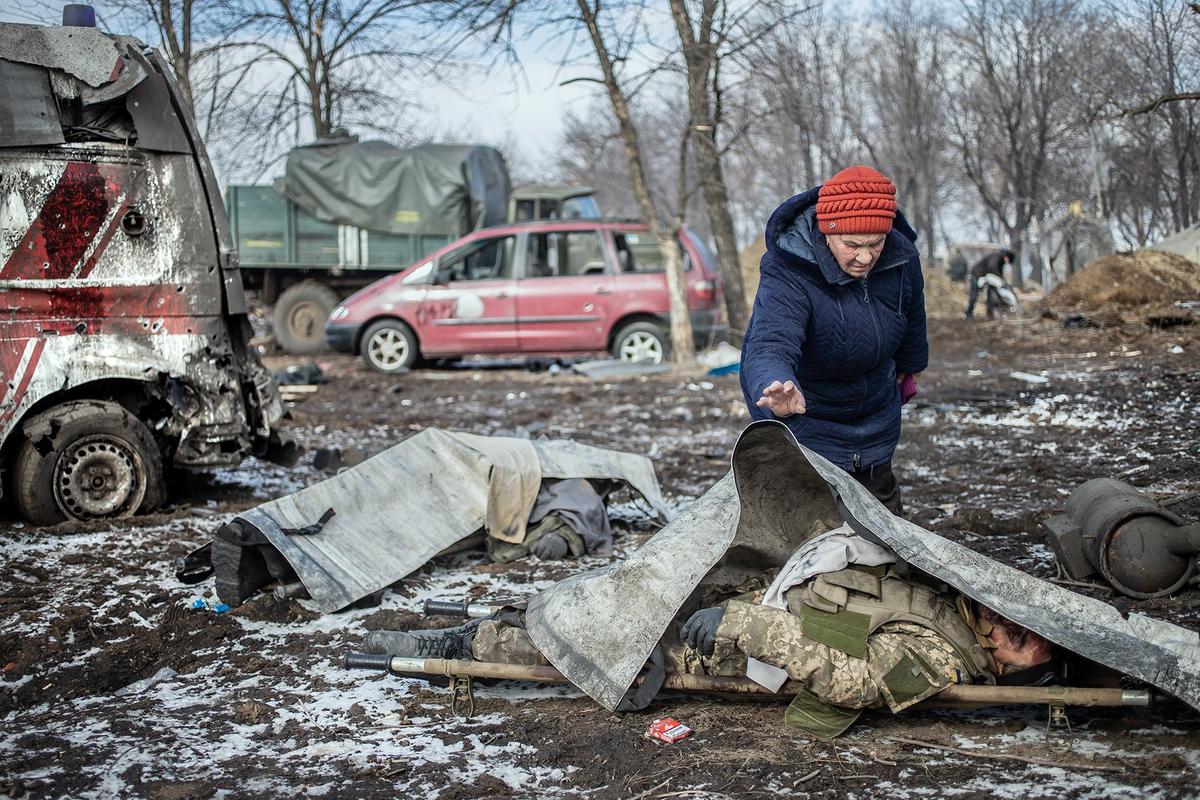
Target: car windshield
{"points": [[583, 207]]}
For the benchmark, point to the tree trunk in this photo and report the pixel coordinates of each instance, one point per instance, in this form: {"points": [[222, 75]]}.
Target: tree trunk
{"points": [[716, 197], [699, 55], [683, 348]]}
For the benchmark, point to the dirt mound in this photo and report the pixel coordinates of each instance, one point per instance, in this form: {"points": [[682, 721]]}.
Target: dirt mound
{"points": [[1129, 286], [944, 299]]}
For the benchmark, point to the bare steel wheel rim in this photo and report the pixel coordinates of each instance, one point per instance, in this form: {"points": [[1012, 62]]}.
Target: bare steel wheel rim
{"points": [[388, 349], [641, 346], [306, 320], [99, 476]]}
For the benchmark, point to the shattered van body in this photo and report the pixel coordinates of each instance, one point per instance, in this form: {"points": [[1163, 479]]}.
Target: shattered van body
{"points": [[120, 287]]}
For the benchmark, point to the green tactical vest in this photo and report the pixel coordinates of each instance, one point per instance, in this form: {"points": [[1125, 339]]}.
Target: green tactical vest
{"points": [[842, 609]]}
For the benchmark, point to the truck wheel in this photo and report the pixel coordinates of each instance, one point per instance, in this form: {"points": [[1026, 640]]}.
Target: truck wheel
{"points": [[93, 460], [389, 346], [641, 341], [299, 317]]}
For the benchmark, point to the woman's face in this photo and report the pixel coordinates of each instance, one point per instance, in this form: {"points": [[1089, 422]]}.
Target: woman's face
{"points": [[856, 253]]}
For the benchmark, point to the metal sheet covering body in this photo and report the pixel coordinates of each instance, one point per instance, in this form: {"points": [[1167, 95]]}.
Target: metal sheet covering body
{"points": [[598, 628], [398, 509], [1153, 650]]}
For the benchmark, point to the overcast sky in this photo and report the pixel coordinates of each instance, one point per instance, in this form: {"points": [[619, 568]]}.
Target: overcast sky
{"points": [[525, 110]]}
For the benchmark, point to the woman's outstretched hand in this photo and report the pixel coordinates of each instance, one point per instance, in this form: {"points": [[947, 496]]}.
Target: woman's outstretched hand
{"points": [[784, 399]]}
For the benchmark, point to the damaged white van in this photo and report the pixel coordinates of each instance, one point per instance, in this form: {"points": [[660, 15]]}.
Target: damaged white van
{"points": [[123, 328]]}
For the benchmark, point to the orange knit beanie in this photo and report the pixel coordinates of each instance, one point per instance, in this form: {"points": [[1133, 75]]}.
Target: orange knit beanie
{"points": [[856, 200]]}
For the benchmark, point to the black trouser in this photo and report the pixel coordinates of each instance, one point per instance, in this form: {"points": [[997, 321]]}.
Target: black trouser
{"points": [[881, 482], [973, 295]]}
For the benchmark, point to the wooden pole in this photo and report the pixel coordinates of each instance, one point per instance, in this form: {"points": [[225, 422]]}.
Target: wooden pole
{"points": [[959, 695]]}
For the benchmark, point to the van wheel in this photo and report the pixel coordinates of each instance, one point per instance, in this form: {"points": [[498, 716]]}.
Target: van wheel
{"points": [[87, 459], [641, 341], [389, 346], [299, 317]]}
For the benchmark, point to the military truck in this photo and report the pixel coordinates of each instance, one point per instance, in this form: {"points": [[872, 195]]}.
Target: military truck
{"points": [[347, 212], [124, 338]]}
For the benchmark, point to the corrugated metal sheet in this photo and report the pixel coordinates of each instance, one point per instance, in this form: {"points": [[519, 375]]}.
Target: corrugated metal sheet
{"points": [[397, 510]]}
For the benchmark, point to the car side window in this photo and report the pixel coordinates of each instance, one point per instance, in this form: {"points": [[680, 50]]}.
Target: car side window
{"points": [[481, 260], [422, 274], [565, 253], [638, 252]]}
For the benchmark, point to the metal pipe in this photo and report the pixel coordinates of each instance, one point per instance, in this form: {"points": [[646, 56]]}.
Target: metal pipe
{"points": [[454, 608]]}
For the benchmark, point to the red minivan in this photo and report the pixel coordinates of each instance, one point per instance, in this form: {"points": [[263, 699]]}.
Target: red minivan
{"points": [[548, 288]]}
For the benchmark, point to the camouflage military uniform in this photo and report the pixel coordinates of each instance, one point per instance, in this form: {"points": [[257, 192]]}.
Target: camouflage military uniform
{"points": [[849, 640]]}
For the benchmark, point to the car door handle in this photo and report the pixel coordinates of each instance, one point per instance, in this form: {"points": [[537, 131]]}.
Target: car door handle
{"points": [[603, 290]]}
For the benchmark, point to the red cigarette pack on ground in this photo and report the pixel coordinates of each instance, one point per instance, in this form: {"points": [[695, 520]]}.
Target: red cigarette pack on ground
{"points": [[669, 730]]}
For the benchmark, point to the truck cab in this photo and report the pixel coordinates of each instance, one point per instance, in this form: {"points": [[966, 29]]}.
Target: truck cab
{"points": [[528, 203], [124, 338]]}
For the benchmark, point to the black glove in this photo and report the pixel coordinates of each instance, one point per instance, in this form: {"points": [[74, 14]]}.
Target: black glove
{"points": [[700, 631], [549, 547]]}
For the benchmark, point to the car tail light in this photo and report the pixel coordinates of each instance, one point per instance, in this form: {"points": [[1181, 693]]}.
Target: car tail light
{"points": [[706, 290]]}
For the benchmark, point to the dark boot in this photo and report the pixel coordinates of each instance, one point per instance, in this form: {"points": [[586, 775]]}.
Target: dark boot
{"points": [[449, 643]]}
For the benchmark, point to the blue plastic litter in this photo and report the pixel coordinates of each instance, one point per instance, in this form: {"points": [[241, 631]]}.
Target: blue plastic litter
{"points": [[199, 603], [220, 608], [728, 369]]}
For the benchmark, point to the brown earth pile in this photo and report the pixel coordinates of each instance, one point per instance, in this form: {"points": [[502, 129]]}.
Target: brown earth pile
{"points": [[944, 299], [1128, 287]]}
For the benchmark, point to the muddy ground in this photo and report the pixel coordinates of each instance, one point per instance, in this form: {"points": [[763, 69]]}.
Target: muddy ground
{"points": [[258, 705]]}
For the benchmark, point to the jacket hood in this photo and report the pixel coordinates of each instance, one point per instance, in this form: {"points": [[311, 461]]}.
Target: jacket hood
{"points": [[792, 235]]}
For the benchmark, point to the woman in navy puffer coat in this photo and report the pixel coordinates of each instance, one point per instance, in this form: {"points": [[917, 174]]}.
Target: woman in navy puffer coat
{"points": [[839, 325]]}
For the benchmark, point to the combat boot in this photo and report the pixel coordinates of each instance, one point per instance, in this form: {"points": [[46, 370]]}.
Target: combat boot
{"points": [[448, 643]]}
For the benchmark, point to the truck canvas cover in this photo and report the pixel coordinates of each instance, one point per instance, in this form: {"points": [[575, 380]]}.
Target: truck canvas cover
{"points": [[400, 508], [433, 189], [598, 628]]}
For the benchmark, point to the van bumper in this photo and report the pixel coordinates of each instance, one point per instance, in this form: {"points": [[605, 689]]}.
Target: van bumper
{"points": [[341, 336]]}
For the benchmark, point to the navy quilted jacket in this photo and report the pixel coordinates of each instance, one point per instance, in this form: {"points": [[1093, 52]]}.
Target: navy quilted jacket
{"points": [[841, 340]]}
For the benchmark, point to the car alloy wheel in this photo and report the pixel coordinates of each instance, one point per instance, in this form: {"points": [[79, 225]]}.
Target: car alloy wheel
{"points": [[388, 349], [641, 346]]}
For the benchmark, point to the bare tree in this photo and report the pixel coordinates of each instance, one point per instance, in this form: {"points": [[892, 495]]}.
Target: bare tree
{"points": [[321, 66], [1014, 111], [701, 42], [178, 24], [1164, 22], [682, 344], [613, 33], [1163, 49], [1145, 156], [799, 63], [900, 111]]}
